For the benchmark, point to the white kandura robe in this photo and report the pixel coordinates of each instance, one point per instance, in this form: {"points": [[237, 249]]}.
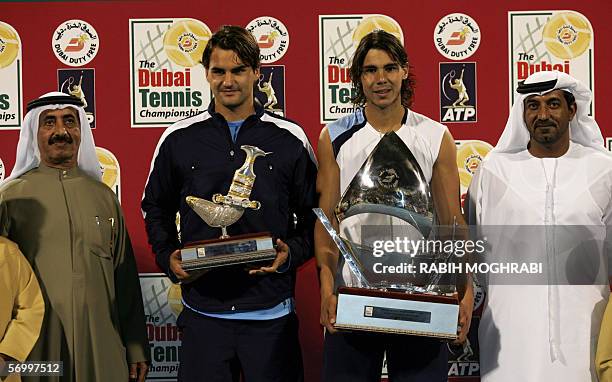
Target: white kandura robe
{"points": [[543, 332]]}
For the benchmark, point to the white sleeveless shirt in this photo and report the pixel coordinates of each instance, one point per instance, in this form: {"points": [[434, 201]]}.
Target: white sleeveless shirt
{"points": [[353, 140]]}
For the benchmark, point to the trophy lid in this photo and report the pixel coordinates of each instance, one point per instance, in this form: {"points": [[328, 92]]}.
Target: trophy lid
{"points": [[390, 182]]}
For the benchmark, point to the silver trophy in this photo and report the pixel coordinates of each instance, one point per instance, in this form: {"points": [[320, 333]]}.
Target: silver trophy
{"points": [[389, 199], [225, 210]]}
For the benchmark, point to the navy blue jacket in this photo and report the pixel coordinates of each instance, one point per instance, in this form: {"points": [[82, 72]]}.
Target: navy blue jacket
{"points": [[197, 157]]}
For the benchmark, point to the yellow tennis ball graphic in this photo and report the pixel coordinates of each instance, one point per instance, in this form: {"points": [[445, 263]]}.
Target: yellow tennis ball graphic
{"points": [[378, 22], [567, 35], [185, 40], [110, 166], [469, 156], [9, 45], [175, 299]]}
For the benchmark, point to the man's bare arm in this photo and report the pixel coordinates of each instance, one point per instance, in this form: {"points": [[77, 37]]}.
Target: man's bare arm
{"points": [[445, 183], [446, 195]]}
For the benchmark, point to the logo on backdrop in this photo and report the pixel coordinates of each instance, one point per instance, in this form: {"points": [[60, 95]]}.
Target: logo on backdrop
{"points": [[162, 304], [2, 171], [609, 144], [270, 89], [458, 92], [470, 154], [80, 83], [339, 36], [479, 297], [11, 90], [164, 58], [457, 36], [271, 36], [551, 40], [75, 42], [463, 359], [111, 172]]}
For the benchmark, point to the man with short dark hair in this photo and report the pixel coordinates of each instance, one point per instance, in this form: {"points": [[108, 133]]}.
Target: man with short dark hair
{"points": [[550, 169], [384, 91], [70, 227], [232, 313]]}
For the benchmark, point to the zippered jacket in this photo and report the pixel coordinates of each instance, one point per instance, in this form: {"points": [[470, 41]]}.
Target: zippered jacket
{"points": [[197, 157]]}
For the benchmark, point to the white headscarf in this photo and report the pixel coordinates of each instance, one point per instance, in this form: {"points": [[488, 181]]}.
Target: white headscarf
{"points": [[582, 128], [28, 155]]}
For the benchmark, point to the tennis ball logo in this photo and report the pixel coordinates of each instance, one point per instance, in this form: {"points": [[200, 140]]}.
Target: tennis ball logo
{"points": [[9, 45], [185, 40], [110, 167], [375, 23], [567, 35], [469, 156], [175, 300]]}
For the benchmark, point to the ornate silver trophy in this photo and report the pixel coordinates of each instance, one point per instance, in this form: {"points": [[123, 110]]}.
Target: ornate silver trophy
{"points": [[390, 290], [225, 210]]}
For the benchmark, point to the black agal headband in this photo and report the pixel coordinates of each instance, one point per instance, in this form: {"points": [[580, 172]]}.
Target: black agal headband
{"points": [[537, 87], [54, 100]]}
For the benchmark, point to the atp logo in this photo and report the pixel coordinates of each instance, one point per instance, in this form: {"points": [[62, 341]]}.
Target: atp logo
{"points": [[458, 92]]}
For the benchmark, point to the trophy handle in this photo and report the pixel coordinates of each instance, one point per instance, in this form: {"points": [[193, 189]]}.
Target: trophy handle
{"points": [[242, 182], [225, 210], [344, 250]]}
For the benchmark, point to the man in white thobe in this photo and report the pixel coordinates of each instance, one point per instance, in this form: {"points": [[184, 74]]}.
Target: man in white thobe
{"points": [[549, 183]]}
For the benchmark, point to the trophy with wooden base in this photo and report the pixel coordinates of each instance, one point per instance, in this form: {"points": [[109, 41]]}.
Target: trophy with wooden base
{"points": [[223, 211], [388, 197]]}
